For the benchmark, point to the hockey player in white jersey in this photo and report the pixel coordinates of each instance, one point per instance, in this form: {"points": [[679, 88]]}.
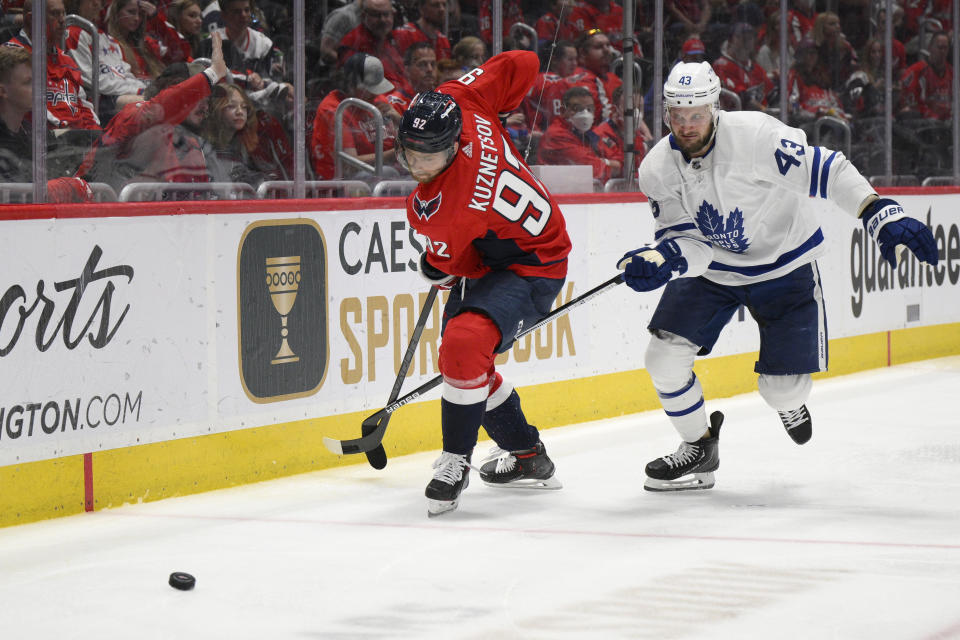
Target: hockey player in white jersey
{"points": [[731, 194]]}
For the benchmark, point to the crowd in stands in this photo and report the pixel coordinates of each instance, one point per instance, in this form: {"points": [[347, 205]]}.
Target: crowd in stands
{"points": [[192, 91]]}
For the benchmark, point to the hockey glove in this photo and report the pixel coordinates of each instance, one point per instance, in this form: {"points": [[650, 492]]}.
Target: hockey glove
{"points": [[886, 222], [434, 276], [650, 268]]}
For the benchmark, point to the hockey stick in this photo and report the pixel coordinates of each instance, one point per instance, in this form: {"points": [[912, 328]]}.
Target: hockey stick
{"points": [[376, 456], [378, 421]]}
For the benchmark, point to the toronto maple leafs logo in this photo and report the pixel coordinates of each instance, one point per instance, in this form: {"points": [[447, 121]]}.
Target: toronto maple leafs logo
{"points": [[426, 209], [725, 235]]}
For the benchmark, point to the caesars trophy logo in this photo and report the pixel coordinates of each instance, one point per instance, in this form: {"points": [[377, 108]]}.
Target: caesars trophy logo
{"points": [[283, 279], [282, 310]]}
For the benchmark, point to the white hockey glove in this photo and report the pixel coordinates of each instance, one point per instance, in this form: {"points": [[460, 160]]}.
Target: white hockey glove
{"points": [[649, 268], [434, 276], [887, 223]]}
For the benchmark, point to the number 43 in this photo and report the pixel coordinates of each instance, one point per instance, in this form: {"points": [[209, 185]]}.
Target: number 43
{"points": [[785, 160]]}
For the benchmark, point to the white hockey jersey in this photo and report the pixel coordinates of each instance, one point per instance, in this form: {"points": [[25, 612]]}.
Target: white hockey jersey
{"points": [[116, 78], [747, 210]]}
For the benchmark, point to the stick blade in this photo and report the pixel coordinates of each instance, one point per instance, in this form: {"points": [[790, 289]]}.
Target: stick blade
{"points": [[376, 457], [333, 445]]}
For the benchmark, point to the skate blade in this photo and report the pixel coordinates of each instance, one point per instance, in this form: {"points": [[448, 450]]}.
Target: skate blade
{"points": [[696, 482], [439, 507], [551, 483]]}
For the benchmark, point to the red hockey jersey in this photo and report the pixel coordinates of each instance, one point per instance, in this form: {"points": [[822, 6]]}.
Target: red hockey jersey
{"points": [[487, 211]]}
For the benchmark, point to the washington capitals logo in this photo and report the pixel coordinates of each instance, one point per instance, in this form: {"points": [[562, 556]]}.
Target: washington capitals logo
{"points": [[426, 209], [728, 236]]}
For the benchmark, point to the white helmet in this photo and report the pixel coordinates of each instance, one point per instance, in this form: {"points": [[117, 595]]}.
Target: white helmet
{"points": [[691, 84]]}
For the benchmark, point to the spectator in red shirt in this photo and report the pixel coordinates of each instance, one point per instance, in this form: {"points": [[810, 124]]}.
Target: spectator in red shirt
{"points": [[175, 36], [420, 61], [374, 37], [158, 139], [928, 84], [556, 23], [363, 78], [67, 105], [611, 131], [16, 146], [595, 55], [512, 13], [569, 139], [739, 73], [809, 91], [544, 102], [426, 29]]}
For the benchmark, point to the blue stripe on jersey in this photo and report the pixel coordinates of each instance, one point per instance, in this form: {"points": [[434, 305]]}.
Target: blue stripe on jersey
{"points": [[815, 172], [677, 227], [786, 258], [825, 175]]}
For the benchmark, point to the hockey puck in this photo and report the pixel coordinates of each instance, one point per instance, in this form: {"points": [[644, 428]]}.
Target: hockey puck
{"points": [[182, 581]]}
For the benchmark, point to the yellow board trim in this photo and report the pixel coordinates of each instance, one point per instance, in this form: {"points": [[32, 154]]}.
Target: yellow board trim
{"points": [[51, 488]]}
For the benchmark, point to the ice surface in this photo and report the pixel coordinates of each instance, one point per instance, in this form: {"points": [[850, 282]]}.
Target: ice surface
{"points": [[854, 535]]}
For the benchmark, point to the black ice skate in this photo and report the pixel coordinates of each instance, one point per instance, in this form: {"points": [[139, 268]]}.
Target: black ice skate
{"points": [[798, 423], [523, 469], [691, 466], [452, 476]]}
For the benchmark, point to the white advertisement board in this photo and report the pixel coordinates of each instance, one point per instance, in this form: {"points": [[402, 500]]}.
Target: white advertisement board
{"points": [[122, 331]]}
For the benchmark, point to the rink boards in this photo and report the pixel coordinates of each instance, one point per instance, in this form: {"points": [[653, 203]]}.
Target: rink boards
{"points": [[154, 350]]}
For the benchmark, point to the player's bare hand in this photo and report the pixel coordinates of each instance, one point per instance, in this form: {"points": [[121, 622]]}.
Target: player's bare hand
{"points": [[216, 57]]}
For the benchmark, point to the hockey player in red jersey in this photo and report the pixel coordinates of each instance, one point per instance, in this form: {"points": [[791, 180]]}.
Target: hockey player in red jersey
{"points": [[497, 239]]}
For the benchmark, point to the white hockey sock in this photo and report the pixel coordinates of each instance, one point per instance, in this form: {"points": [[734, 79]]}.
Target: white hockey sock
{"points": [[686, 410]]}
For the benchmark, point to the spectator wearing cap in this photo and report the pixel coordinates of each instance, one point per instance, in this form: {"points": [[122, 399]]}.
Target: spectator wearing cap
{"points": [[158, 139], [692, 50], [739, 73], [420, 61], [374, 37], [428, 28], [594, 55], [362, 77], [570, 141]]}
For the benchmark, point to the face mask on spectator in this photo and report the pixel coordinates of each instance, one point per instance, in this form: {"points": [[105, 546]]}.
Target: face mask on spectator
{"points": [[582, 121]]}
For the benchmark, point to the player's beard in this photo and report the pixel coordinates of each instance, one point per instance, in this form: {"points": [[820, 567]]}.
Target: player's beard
{"points": [[694, 146]]}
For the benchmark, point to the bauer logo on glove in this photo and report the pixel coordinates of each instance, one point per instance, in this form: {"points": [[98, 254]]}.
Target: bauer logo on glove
{"points": [[888, 224]]}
